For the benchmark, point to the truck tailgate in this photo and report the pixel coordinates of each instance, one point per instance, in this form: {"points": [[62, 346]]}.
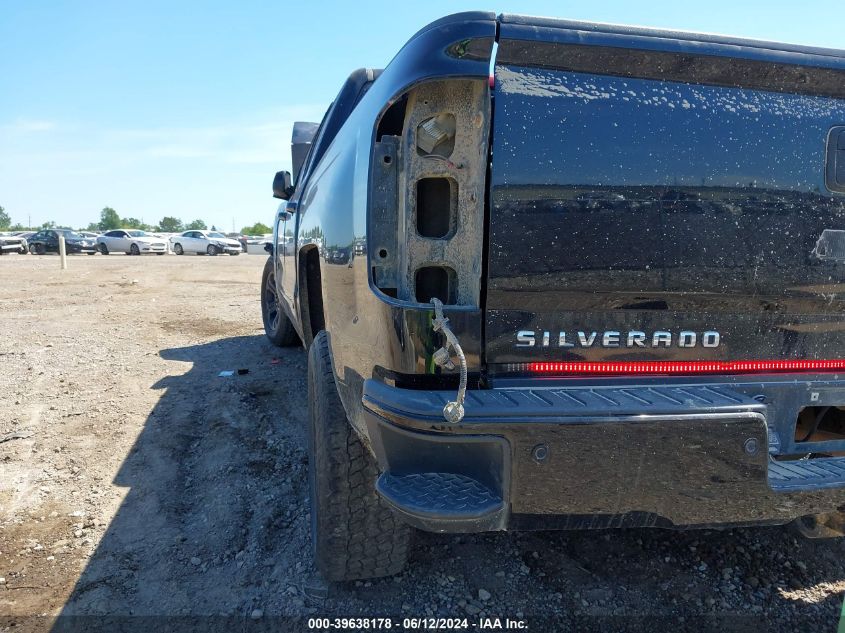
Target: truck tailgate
{"points": [[658, 197]]}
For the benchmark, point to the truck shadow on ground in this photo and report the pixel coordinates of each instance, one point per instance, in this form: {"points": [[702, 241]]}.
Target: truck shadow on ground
{"points": [[214, 492], [214, 532]]}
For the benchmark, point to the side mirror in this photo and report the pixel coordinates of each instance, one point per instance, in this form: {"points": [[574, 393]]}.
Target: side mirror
{"points": [[268, 248], [282, 186]]}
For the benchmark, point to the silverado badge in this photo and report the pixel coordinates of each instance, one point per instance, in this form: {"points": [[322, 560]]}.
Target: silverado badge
{"points": [[611, 338]]}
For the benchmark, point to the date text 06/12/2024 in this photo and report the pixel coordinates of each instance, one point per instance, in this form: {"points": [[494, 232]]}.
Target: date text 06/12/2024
{"points": [[416, 624]]}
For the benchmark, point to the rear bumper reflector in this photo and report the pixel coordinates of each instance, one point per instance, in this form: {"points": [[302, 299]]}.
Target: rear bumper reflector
{"points": [[677, 367]]}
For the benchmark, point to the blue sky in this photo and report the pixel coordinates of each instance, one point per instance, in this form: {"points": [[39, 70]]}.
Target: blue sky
{"points": [[184, 108]]}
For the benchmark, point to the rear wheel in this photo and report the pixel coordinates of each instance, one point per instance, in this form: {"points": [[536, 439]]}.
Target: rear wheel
{"points": [[277, 325], [177, 248], [134, 250], [104, 249], [354, 534]]}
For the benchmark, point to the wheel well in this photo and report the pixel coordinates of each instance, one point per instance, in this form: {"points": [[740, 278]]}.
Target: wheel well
{"points": [[310, 293]]}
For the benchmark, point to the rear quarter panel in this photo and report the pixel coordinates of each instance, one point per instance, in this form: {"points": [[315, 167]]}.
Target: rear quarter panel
{"points": [[370, 333]]}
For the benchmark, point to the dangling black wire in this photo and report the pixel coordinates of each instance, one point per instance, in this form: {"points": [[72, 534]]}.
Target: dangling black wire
{"points": [[815, 426]]}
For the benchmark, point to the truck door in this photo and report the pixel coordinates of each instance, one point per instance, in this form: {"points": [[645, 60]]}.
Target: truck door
{"points": [[283, 257]]}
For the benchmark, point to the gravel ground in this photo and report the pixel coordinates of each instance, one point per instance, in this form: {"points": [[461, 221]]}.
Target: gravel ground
{"points": [[134, 481]]}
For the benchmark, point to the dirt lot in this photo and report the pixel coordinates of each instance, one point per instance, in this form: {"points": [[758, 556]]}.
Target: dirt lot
{"points": [[134, 481]]}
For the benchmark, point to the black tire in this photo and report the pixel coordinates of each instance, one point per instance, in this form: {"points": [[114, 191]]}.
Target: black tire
{"points": [[354, 534], [234, 254], [39, 249], [160, 253], [177, 248], [277, 325], [134, 250], [104, 249], [212, 250]]}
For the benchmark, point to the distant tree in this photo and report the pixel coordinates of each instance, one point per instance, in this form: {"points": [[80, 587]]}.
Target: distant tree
{"points": [[93, 227], [213, 228], [17, 226], [256, 229], [50, 224], [5, 219], [109, 219], [170, 224], [134, 223], [196, 225]]}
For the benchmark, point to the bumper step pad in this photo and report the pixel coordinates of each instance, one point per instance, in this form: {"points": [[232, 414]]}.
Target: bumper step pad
{"points": [[442, 502], [807, 474], [557, 404]]}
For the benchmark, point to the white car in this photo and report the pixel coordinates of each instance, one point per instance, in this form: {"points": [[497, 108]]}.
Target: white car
{"points": [[255, 244], [130, 241], [10, 243], [205, 242]]}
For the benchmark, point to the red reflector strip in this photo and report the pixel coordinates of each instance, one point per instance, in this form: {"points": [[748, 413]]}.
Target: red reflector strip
{"points": [[685, 367]]}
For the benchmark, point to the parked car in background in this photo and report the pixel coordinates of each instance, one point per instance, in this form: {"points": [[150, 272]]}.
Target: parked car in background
{"points": [[206, 242], [254, 244], [47, 241], [132, 242], [339, 255], [89, 235], [12, 244]]}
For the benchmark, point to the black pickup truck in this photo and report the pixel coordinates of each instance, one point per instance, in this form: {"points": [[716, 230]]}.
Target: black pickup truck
{"points": [[563, 275]]}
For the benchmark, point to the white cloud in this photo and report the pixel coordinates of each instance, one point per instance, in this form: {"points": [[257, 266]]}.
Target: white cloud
{"points": [[176, 151], [212, 171], [26, 126], [262, 138]]}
